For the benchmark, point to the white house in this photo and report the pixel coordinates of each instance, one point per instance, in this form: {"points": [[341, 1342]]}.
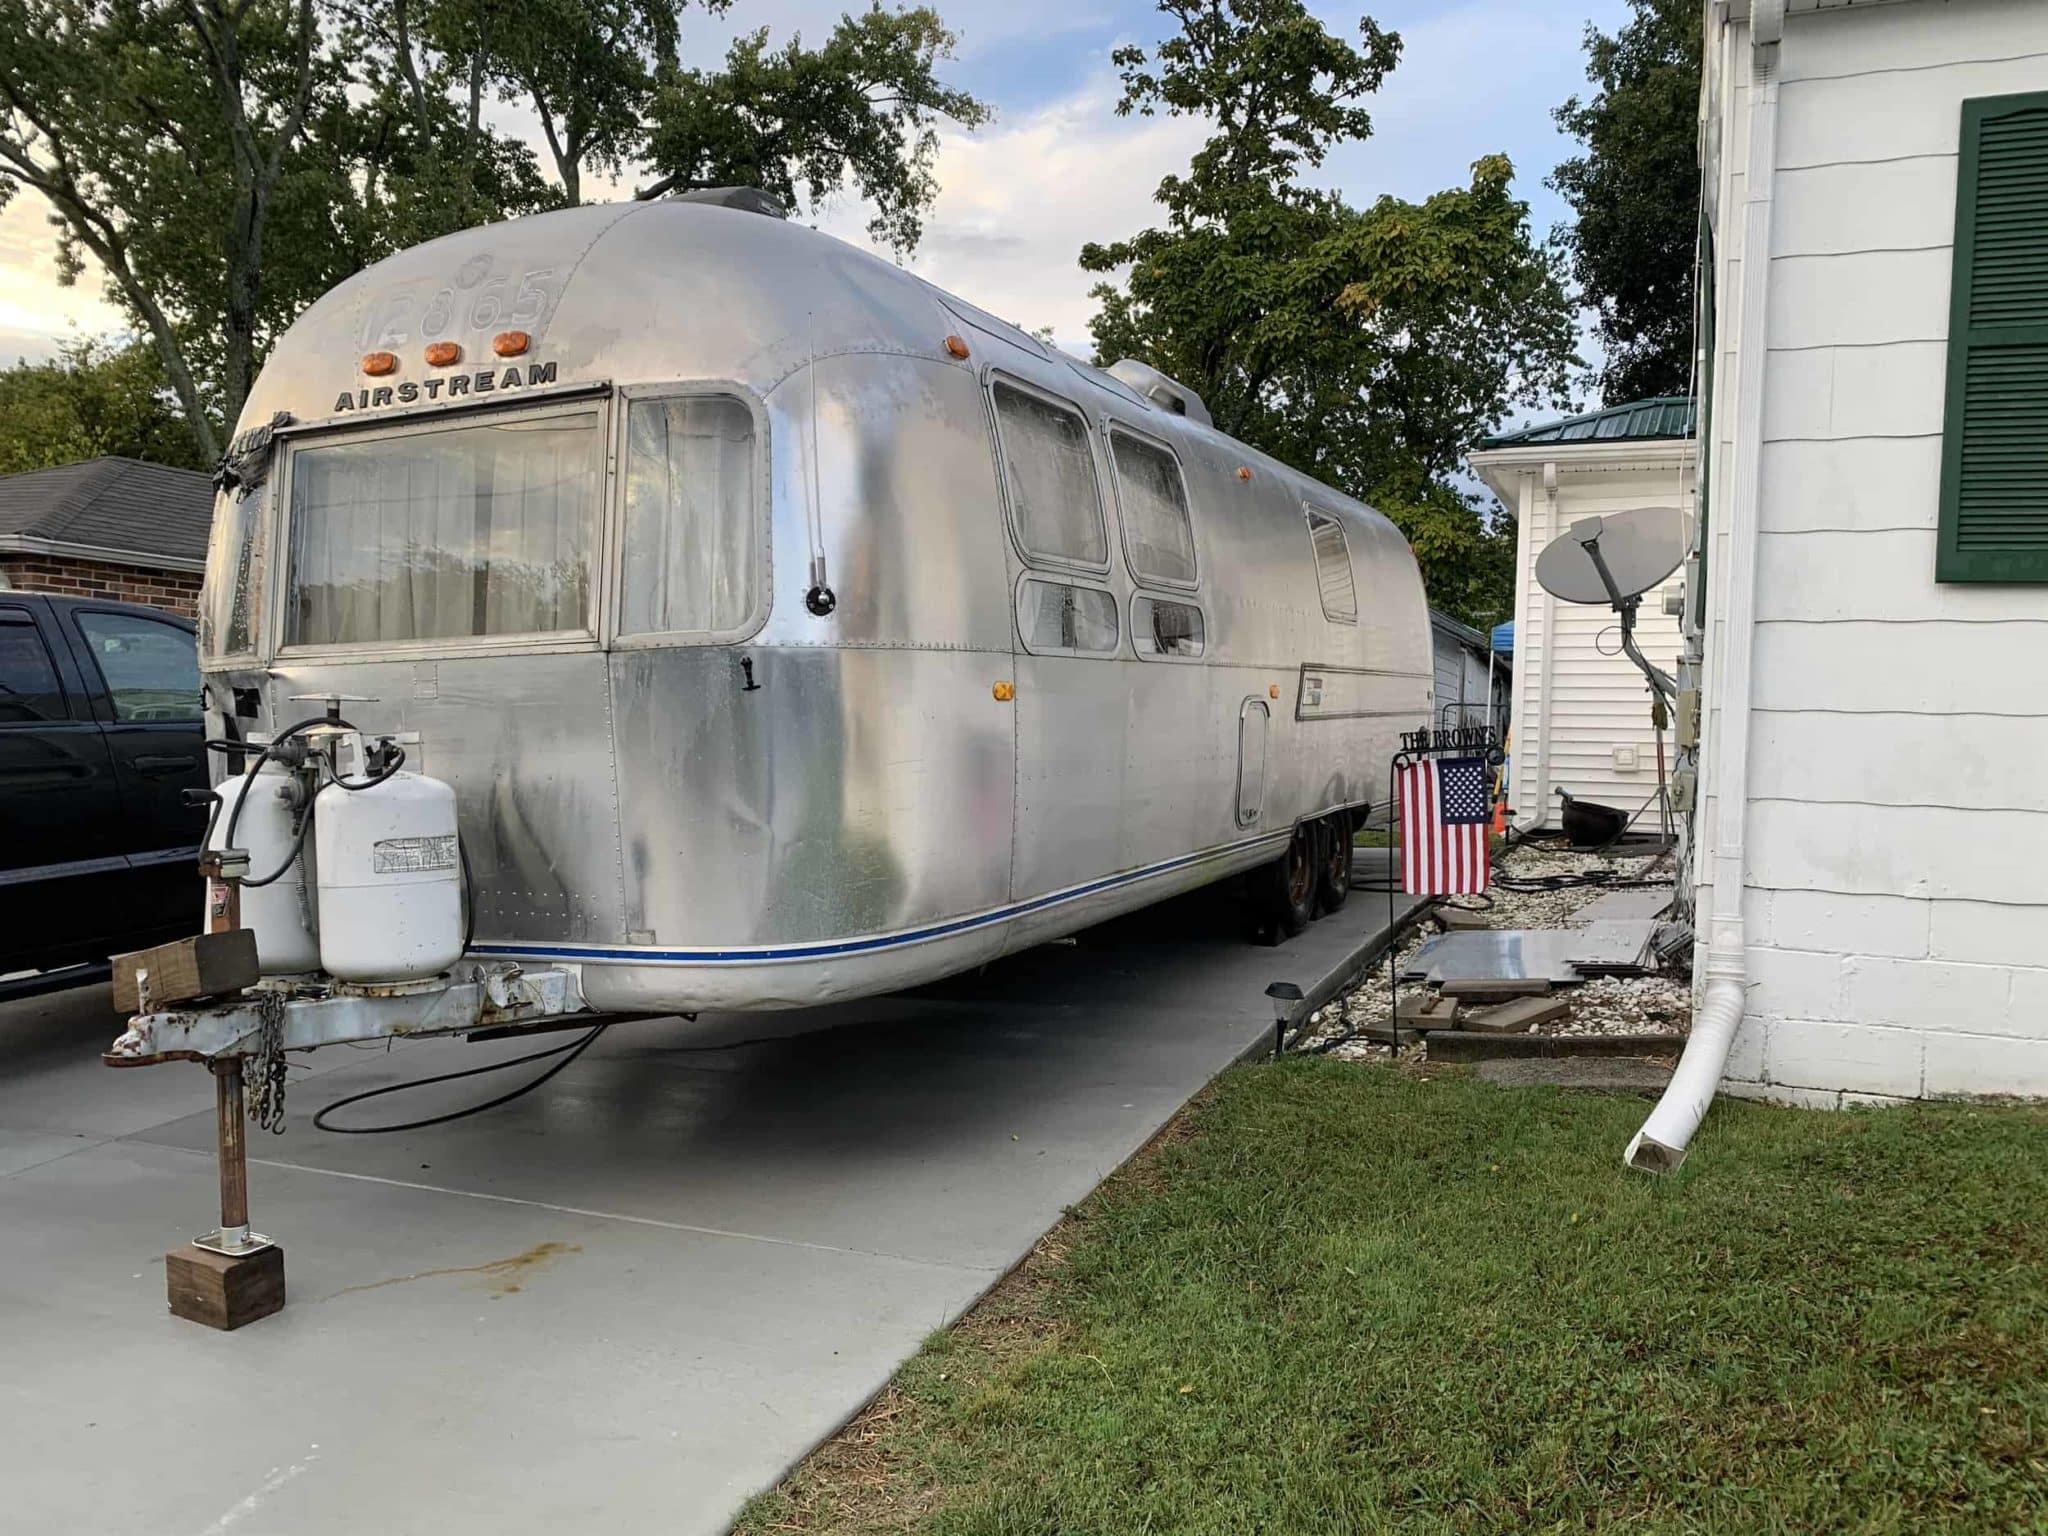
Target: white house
{"points": [[1871, 860], [1581, 708]]}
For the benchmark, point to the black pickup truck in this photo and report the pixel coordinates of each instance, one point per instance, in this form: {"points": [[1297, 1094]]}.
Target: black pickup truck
{"points": [[101, 733]]}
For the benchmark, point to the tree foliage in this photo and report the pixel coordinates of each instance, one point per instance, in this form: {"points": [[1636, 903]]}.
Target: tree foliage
{"points": [[93, 398], [797, 121], [1632, 248], [224, 162], [1367, 347]]}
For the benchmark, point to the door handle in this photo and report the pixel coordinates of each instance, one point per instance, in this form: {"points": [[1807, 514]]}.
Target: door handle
{"points": [[157, 764]]}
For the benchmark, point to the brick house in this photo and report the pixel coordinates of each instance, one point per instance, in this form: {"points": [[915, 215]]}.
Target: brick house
{"points": [[107, 527]]}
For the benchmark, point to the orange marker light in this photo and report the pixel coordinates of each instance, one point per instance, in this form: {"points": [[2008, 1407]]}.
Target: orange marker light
{"points": [[1272, 690], [377, 364], [510, 343], [1244, 471], [957, 347], [441, 353], [1004, 692]]}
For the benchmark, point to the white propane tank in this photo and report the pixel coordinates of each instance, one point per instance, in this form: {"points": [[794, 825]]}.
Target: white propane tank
{"points": [[390, 879], [279, 914]]}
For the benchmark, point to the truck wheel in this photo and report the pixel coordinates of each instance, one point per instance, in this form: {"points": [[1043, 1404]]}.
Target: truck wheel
{"points": [[1333, 869], [1283, 893]]}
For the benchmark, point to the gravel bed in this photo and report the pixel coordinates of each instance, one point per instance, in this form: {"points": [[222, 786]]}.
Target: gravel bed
{"points": [[1603, 1005]]}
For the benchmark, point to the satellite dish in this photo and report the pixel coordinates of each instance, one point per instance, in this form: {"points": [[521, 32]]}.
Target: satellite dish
{"points": [[1640, 549]]}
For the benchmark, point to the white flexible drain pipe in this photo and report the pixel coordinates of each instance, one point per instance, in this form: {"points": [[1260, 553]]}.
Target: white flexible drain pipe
{"points": [[1660, 1146]]}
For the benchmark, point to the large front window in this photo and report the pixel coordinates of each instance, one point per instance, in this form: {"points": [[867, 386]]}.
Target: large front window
{"points": [[455, 533]]}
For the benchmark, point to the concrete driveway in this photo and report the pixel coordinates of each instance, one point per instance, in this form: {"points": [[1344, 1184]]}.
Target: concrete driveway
{"points": [[625, 1302]]}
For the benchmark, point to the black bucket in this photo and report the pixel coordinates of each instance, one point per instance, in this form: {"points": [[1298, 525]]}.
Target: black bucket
{"points": [[1588, 824]]}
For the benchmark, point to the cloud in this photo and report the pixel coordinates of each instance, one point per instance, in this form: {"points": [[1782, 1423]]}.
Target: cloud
{"points": [[36, 313], [1019, 199]]}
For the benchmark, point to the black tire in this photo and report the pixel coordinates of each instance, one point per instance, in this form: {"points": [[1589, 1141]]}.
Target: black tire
{"points": [[1283, 893], [1333, 869]]}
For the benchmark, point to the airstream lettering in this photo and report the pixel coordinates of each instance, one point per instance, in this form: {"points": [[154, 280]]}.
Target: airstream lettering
{"points": [[796, 631]]}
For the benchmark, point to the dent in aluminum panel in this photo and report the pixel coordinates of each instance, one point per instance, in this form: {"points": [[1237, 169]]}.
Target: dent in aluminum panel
{"points": [[526, 743], [852, 792]]}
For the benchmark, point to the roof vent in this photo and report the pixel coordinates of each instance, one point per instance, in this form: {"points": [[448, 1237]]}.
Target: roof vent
{"points": [[746, 199], [1168, 394]]}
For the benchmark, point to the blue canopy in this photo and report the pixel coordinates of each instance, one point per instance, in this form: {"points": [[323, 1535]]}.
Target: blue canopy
{"points": [[1504, 638]]}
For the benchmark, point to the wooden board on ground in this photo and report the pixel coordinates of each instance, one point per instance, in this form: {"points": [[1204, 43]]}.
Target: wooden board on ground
{"points": [[205, 965], [1517, 1017], [1494, 989]]}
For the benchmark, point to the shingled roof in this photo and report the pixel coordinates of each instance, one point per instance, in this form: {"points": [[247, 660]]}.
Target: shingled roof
{"points": [[1664, 416], [115, 509]]}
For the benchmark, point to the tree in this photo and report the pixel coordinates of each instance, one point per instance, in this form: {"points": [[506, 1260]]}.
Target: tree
{"points": [[587, 68], [1633, 246], [223, 162], [1369, 348], [93, 398], [864, 107]]}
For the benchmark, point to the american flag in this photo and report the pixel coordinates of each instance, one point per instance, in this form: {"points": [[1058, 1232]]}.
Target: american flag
{"points": [[1443, 811]]}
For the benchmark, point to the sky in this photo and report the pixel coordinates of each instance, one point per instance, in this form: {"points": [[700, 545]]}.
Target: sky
{"points": [[1057, 168]]}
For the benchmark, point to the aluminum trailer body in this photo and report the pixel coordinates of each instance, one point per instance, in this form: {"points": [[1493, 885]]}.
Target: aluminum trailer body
{"points": [[788, 629]]}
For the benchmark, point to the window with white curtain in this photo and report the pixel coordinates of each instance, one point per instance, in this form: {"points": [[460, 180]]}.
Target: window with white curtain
{"points": [[476, 529], [1157, 534], [692, 545], [1049, 467]]}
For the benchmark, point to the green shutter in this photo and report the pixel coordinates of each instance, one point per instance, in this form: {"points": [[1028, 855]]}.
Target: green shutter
{"points": [[1994, 460]]}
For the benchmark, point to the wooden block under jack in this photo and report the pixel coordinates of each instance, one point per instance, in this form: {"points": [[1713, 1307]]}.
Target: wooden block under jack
{"points": [[205, 965], [224, 1290]]}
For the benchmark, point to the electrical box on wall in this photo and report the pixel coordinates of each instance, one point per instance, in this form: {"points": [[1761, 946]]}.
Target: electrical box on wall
{"points": [[1625, 759], [1688, 717]]}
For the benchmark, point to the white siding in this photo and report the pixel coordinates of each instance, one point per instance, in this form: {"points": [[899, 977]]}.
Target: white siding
{"points": [[1574, 706], [1896, 851]]}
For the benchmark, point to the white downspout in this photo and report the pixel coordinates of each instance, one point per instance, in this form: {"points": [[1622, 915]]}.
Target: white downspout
{"points": [[1659, 1147], [1546, 713]]}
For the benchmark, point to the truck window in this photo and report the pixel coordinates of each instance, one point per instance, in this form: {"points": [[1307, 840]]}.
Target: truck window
{"points": [[1333, 568], [150, 668], [1050, 471], [692, 555], [454, 533], [1158, 538], [28, 682]]}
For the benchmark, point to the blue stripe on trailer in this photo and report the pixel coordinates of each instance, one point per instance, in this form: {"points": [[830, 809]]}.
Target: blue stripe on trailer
{"points": [[827, 949]]}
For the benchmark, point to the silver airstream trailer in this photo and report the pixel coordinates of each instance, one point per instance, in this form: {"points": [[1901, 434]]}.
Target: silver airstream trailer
{"points": [[788, 629]]}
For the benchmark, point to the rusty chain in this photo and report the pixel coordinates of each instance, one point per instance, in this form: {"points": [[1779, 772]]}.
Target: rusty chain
{"points": [[266, 1091]]}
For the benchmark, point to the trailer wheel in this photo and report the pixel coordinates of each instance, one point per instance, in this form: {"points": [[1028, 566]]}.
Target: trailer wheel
{"points": [[1333, 869], [1283, 893]]}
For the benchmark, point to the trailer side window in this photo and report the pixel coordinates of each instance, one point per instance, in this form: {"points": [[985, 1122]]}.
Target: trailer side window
{"points": [[454, 534], [1158, 537], [1050, 470], [1333, 568], [1160, 627], [692, 550], [1058, 617]]}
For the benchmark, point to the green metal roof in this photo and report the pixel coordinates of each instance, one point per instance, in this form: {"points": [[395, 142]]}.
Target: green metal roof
{"points": [[1665, 416]]}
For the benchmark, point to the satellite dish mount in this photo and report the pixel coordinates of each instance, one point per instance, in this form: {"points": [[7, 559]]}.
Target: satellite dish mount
{"points": [[1586, 534]]}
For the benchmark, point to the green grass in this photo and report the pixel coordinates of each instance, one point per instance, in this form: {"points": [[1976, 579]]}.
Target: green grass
{"points": [[1371, 837], [1346, 1299]]}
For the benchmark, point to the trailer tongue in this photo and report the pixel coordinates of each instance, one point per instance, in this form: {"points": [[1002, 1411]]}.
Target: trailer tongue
{"points": [[362, 942]]}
